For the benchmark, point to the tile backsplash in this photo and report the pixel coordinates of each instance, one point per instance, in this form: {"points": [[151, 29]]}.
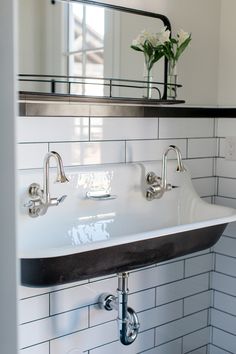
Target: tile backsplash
{"points": [[223, 314], [173, 299]]}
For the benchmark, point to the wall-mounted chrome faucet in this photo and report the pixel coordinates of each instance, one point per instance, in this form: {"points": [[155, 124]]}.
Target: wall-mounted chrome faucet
{"points": [[158, 184], [128, 322], [40, 198]]}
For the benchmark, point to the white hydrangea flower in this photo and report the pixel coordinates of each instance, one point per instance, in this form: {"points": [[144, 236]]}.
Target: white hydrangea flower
{"points": [[154, 40], [146, 36], [143, 37], [164, 36], [136, 43], [182, 36]]}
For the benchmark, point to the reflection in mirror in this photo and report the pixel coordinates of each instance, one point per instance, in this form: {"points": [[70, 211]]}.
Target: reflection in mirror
{"points": [[86, 42]]}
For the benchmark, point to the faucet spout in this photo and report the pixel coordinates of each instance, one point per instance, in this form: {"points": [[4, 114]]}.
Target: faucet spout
{"points": [[180, 166], [159, 185], [61, 177], [41, 198]]}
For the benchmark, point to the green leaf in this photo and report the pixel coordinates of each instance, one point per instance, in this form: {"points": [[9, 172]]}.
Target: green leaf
{"points": [[148, 48], [136, 48], [168, 51], [183, 46], [158, 54]]}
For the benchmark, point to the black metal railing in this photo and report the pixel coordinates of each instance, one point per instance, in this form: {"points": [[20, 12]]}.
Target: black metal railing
{"points": [[56, 81]]}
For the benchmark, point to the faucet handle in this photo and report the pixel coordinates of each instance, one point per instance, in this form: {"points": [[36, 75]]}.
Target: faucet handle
{"points": [[29, 204], [168, 187], [152, 178], [57, 201], [61, 199], [35, 191]]}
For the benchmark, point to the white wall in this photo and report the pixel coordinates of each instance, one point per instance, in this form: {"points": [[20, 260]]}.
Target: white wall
{"points": [[41, 37], [227, 54], [198, 68], [199, 64]]}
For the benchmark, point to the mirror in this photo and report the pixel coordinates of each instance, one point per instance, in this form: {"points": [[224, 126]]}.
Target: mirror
{"points": [[88, 43]]}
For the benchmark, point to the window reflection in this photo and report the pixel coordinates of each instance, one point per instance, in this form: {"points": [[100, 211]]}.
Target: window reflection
{"points": [[93, 229], [86, 47]]}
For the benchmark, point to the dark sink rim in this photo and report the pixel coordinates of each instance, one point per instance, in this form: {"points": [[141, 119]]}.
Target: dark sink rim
{"points": [[51, 271]]}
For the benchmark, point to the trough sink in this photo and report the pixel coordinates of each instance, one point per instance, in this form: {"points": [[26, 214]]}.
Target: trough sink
{"points": [[85, 238]]}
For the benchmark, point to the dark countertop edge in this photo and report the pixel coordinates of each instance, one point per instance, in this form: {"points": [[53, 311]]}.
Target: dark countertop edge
{"points": [[150, 109], [190, 112]]}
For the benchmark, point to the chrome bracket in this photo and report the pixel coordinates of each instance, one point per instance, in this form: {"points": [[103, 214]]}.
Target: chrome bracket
{"points": [[34, 205]]}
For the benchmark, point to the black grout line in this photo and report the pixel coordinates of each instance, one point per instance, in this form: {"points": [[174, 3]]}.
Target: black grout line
{"points": [[208, 317], [224, 312], [226, 177], [155, 296], [215, 127], [49, 305], [199, 158], [223, 330], [226, 351], [187, 147], [182, 345], [181, 337], [225, 255], [222, 196], [218, 147], [35, 345], [157, 346], [224, 293], [89, 316], [108, 140], [193, 350], [184, 268], [155, 335], [147, 309], [227, 275]]}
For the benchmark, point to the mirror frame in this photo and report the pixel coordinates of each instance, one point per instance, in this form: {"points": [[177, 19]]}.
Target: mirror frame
{"points": [[161, 100], [161, 17]]}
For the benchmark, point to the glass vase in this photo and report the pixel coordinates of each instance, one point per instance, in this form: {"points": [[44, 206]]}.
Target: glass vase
{"points": [[172, 81], [147, 76]]}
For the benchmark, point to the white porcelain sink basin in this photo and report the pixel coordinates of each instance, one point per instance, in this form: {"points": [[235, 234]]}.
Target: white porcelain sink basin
{"points": [[84, 238]]}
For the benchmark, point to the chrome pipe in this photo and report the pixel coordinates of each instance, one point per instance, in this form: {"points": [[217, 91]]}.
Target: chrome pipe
{"points": [[127, 318], [128, 322]]}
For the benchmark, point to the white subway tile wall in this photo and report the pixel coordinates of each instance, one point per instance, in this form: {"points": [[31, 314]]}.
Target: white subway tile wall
{"points": [[172, 299], [223, 313], [123, 129]]}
